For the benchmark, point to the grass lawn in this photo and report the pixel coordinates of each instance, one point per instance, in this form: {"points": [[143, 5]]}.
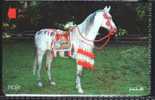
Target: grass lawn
{"points": [[120, 70]]}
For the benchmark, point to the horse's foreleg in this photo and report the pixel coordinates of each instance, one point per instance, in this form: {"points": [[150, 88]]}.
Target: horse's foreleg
{"points": [[35, 66], [49, 59], [78, 80], [40, 55]]}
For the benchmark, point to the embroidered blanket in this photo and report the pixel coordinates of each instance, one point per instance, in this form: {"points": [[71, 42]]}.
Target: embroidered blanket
{"points": [[62, 40]]}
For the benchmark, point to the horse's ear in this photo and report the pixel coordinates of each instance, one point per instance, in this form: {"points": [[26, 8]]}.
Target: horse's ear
{"points": [[108, 9], [105, 9]]}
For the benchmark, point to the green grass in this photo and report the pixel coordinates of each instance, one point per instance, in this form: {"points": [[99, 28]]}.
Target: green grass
{"points": [[118, 68]]}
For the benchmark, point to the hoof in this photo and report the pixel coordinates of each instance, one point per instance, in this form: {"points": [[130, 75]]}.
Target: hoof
{"points": [[80, 91], [52, 83], [40, 84], [34, 73]]}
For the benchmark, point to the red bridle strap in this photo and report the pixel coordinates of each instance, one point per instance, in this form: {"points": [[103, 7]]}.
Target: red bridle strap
{"points": [[91, 40], [111, 30]]}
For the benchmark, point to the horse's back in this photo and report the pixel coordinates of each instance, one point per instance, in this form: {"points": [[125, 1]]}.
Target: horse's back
{"points": [[43, 38]]}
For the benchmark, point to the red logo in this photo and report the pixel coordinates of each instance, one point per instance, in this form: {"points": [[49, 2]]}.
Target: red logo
{"points": [[12, 13]]}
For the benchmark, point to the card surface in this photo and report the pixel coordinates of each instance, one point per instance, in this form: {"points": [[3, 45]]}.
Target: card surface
{"points": [[108, 52]]}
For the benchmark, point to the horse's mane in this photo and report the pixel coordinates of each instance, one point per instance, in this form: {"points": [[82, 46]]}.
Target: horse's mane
{"points": [[89, 21]]}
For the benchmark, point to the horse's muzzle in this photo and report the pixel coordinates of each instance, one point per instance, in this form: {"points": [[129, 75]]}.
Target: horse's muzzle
{"points": [[113, 31]]}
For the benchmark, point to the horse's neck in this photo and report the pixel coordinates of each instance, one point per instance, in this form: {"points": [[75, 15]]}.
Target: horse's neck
{"points": [[90, 33]]}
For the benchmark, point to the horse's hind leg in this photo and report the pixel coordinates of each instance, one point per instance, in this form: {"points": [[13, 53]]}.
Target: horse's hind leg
{"points": [[49, 59], [40, 54], [35, 63]]}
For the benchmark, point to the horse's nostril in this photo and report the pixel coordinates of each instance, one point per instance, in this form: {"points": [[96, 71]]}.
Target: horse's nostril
{"points": [[115, 30]]}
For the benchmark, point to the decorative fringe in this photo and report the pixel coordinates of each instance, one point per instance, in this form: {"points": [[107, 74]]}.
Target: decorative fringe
{"points": [[85, 64], [69, 53], [86, 53]]}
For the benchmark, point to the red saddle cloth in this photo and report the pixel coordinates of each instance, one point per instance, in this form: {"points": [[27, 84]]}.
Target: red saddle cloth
{"points": [[62, 40], [62, 36]]}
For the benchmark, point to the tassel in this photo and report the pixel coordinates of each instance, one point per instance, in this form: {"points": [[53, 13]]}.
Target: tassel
{"points": [[85, 64], [69, 53], [86, 53]]}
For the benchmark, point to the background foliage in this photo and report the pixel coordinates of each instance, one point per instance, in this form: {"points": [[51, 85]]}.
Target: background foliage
{"points": [[131, 18]]}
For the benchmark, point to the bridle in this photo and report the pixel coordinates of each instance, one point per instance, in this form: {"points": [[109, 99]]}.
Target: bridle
{"points": [[108, 36]]}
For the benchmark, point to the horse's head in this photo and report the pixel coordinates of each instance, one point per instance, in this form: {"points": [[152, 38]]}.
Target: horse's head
{"points": [[91, 25], [107, 21]]}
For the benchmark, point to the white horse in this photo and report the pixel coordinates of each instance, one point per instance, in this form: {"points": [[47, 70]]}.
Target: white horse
{"points": [[81, 37]]}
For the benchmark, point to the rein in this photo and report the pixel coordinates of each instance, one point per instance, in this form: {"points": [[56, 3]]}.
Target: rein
{"points": [[107, 37], [92, 40]]}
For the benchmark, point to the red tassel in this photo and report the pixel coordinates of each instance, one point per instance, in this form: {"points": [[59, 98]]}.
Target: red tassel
{"points": [[85, 64], [86, 53], [69, 53]]}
